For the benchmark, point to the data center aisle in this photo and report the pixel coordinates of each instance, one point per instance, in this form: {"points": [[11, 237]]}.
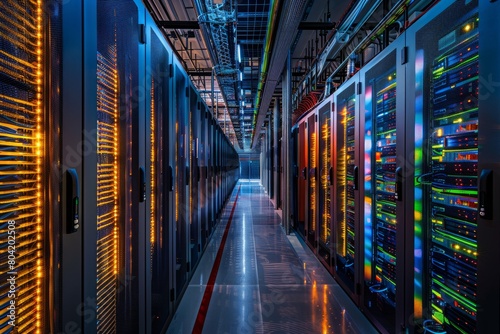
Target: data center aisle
{"points": [[267, 282]]}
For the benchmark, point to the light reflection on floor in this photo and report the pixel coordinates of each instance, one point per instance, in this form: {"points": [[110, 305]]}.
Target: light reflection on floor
{"points": [[268, 282]]}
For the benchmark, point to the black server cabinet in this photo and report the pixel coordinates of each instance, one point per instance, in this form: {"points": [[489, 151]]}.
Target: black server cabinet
{"points": [[295, 175], [311, 223], [181, 105], [31, 222], [194, 182], [345, 187], [382, 126], [160, 119], [120, 210], [445, 107], [302, 197], [203, 169], [216, 186], [210, 174], [325, 173], [488, 289]]}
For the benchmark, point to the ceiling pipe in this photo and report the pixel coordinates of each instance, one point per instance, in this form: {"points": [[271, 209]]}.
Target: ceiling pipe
{"points": [[272, 25], [291, 13]]}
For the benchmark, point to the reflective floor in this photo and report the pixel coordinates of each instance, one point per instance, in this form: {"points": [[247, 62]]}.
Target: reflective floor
{"points": [[267, 282]]}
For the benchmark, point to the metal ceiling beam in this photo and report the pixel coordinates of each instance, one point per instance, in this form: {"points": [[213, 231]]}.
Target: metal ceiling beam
{"points": [[179, 24], [205, 73]]}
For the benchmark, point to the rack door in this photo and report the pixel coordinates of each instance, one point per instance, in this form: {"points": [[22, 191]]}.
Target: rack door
{"points": [[202, 151], [182, 179], [446, 83], [325, 171], [302, 178], [117, 167], [194, 182], [160, 176], [383, 218], [346, 185], [23, 112], [312, 182]]}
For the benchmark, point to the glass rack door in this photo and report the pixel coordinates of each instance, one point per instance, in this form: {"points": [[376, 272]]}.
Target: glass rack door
{"points": [[345, 186], [23, 230], [160, 196], [380, 220], [117, 215], [325, 244], [302, 178], [182, 178], [194, 186], [446, 69], [312, 182]]}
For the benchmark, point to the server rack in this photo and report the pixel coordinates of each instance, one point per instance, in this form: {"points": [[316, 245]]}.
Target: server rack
{"points": [[160, 195], [210, 178], [419, 123], [488, 247], [24, 101], [345, 187], [89, 167], [120, 216], [446, 109], [325, 180], [383, 130], [194, 217], [182, 177], [302, 197], [203, 170], [294, 148], [311, 224]]}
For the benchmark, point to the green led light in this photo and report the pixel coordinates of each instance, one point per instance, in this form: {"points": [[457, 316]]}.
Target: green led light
{"points": [[468, 192], [464, 300], [458, 239], [457, 114], [464, 63]]}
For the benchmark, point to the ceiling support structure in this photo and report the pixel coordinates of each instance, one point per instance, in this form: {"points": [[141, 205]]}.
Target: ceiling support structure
{"points": [[218, 24]]}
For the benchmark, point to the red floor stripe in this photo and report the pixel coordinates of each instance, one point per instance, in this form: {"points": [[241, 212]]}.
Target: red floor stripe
{"points": [[202, 312]]}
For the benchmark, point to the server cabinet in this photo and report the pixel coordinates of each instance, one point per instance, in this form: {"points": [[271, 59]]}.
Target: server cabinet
{"points": [[210, 171], [325, 180], [160, 174], [302, 197], [445, 110], [202, 151], [119, 222], [345, 188], [28, 106], [294, 144], [181, 104], [216, 188], [311, 224], [383, 147], [194, 211], [488, 247]]}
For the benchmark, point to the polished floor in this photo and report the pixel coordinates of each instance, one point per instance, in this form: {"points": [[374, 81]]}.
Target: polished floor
{"points": [[261, 280]]}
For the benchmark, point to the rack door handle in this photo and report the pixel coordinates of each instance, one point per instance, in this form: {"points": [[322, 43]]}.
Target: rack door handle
{"points": [[399, 184], [304, 173], [72, 200], [356, 178], [142, 184], [330, 175], [486, 194], [171, 178]]}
